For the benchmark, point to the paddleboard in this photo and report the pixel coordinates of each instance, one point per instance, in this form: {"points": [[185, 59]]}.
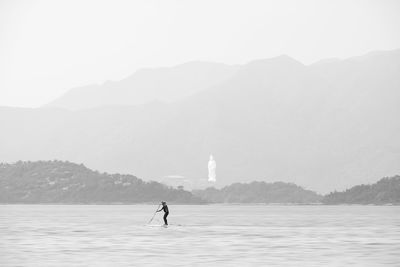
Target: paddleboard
{"points": [[165, 226], [157, 225]]}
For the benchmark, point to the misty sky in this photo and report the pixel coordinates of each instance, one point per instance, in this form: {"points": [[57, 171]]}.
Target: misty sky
{"points": [[47, 47]]}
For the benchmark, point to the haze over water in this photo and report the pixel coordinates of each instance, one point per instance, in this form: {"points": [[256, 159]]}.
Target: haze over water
{"points": [[217, 235]]}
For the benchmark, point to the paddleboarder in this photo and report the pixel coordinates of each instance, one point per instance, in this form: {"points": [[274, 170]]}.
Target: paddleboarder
{"points": [[166, 211]]}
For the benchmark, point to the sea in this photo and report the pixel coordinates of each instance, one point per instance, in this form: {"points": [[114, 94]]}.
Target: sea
{"points": [[199, 235]]}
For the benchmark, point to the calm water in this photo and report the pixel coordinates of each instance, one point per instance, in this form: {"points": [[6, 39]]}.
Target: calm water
{"points": [[117, 235]]}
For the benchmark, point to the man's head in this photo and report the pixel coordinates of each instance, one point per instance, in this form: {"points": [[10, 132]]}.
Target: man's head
{"points": [[163, 202]]}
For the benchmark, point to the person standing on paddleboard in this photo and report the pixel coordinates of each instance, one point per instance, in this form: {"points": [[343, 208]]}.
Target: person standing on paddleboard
{"points": [[166, 211]]}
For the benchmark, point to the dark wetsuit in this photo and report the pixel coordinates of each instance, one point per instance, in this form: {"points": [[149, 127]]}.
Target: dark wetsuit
{"points": [[166, 212]]}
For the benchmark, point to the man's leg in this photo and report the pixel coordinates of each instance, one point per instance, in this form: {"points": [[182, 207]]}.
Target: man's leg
{"points": [[165, 218]]}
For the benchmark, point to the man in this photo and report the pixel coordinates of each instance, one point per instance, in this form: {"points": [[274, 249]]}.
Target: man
{"points": [[166, 211]]}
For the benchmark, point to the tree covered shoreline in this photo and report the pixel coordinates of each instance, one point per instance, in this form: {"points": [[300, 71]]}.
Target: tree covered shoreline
{"points": [[63, 182]]}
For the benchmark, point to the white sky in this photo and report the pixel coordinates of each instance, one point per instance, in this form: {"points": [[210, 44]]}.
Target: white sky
{"points": [[47, 47]]}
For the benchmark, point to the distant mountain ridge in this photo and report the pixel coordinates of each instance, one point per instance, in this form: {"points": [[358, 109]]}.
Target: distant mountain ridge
{"points": [[147, 85], [327, 127]]}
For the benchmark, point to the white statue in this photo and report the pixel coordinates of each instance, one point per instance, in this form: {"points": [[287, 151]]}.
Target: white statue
{"points": [[212, 165]]}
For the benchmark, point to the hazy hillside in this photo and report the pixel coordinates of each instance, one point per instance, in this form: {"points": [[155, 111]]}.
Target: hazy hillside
{"points": [[385, 191], [65, 182], [326, 126], [259, 192], [146, 85]]}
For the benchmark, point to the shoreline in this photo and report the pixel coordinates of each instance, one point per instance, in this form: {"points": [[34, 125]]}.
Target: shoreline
{"points": [[199, 204]]}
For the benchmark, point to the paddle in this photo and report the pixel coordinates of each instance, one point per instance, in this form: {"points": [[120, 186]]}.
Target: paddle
{"points": [[154, 214]]}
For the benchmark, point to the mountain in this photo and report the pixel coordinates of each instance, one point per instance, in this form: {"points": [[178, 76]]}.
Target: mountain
{"points": [[326, 126], [148, 85], [385, 191], [65, 182], [259, 192]]}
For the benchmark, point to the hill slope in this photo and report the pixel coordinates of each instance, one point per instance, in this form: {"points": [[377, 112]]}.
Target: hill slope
{"points": [[65, 182], [259, 192], [385, 191]]}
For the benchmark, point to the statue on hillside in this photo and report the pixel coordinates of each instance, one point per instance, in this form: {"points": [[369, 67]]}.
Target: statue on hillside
{"points": [[212, 165]]}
